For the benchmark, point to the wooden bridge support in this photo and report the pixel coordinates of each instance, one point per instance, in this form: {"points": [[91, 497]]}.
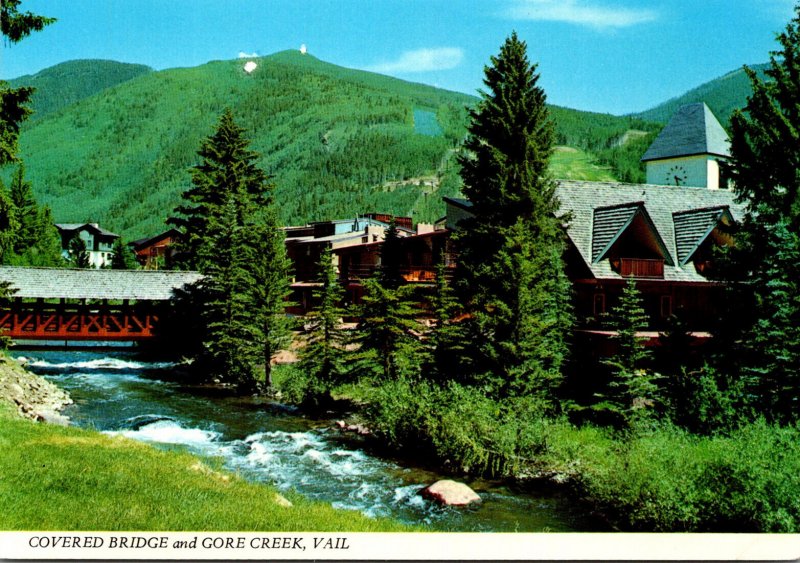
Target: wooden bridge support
{"points": [[40, 322]]}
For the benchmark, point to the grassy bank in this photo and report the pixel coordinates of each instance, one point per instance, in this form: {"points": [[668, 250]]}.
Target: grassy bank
{"points": [[62, 478]]}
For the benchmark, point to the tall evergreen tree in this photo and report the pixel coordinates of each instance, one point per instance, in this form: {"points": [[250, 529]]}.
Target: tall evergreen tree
{"points": [[122, 258], [511, 274], [78, 253], [27, 211], [9, 225], [632, 392], [230, 234], [390, 275], [15, 26], [388, 332], [765, 159], [446, 339], [322, 359], [270, 290]]}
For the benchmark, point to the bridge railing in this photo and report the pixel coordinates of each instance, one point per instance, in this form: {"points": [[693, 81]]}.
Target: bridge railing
{"points": [[47, 322]]}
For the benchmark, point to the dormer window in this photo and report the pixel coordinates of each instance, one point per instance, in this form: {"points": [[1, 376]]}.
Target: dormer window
{"points": [[697, 232], [626, 236]]}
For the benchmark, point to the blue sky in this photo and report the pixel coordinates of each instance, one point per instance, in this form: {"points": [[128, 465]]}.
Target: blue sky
{"points": [[614, 56]]}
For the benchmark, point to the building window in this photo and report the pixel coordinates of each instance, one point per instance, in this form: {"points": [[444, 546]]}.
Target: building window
{"points": [[599, 307], [666, 306]]}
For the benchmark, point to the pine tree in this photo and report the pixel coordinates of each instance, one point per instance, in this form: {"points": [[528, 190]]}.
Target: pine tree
{"points": [[321, 360], [765, 159], [271, 288], [387, 335], [15, 26], [78, 254], [446, 339], [632, 391], [390, 275], [9, 225], [27, 211], [122, 258], [511, 272], [230, 234]]}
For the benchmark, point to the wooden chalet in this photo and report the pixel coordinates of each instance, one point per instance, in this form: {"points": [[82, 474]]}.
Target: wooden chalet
{"points": [[305, 245], [99, 242], [156, 251]]}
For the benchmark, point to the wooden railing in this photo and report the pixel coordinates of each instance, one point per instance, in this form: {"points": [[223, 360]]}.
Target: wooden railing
{"points": [[641, 268], [34, 323]]}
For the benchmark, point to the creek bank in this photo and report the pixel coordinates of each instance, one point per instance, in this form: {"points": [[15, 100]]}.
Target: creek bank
{"points": [[32, 396]]}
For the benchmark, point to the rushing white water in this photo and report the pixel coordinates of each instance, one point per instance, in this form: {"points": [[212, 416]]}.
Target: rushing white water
{"points": [[121, 395], [169, 432]]}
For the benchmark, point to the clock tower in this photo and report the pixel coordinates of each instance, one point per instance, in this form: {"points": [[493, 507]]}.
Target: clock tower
{"points": [[688, 150]]}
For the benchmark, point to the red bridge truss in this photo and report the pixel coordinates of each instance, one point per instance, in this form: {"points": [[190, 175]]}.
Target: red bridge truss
{"points": [[87, 305], [46, 324]]}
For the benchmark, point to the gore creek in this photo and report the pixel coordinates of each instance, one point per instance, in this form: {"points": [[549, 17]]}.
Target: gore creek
{"points": [[273, 443]]}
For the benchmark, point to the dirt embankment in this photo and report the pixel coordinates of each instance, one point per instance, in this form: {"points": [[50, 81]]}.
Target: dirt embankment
{"points": [[32, 396]]}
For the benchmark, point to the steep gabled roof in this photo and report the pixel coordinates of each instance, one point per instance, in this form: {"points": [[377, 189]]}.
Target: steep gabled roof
{"points": [[145, 242], [611, 222], [607, 225], [692, 130], [692, 228], [464, 204], [69, 227], [581, 199]]}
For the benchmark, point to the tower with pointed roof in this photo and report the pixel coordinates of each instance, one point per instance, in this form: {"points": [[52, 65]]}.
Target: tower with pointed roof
{"points": [[688, 150]]}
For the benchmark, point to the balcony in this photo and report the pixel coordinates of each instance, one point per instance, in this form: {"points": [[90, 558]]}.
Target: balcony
{"points": [[411, 274], [641, 268]]}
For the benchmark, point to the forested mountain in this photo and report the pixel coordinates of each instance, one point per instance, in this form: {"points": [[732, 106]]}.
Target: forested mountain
{"points": [[64, 84], [338, 141], [722, 95]]}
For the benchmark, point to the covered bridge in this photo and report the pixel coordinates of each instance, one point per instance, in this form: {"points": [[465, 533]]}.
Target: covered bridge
{"points": [[70, 304]]}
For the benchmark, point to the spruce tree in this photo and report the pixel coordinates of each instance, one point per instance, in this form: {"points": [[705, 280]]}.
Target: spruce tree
{"points": [[322, 358], [270, 290], [765, 159], [122, 258], [387, 335], [446, 339], [511, 273], [15, 26], [9, 225], [230, 234], [78, 253], [26, 209], [390, 275], [632, 392]]}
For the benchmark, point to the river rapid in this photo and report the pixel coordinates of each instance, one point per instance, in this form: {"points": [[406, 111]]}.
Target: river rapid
{"points": [[273, 443]]}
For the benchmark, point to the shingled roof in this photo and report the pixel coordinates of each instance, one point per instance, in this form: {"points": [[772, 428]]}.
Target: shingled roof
{"points": [[118, 285], [582, 199], [693, 227], [692, 130]]}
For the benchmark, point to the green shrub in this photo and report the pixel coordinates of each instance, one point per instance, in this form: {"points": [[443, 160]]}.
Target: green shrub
{"points": [[458, 425], [667, 479]]}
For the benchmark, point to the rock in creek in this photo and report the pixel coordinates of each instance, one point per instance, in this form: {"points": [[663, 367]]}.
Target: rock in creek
{"points": [[450, 493]]}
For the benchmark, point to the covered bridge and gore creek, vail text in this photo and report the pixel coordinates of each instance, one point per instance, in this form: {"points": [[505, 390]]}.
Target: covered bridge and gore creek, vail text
{"points": [[273, 296]]}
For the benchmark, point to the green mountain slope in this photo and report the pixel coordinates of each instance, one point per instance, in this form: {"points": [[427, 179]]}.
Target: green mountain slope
{"points": [[64, 84], [722, 95], [337, 141]]}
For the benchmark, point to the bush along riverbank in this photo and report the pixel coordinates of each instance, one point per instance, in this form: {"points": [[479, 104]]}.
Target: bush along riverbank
{"points": [[653, 476], [63, 478]]}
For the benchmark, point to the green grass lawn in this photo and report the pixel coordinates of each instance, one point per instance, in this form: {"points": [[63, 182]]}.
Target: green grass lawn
{"points": [[568, 163], [56, 478]]}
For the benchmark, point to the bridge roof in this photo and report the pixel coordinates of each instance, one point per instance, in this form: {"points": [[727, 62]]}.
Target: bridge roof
{"points": [[117, 285]]}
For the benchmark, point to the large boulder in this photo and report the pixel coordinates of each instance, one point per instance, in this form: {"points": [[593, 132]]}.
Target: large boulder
{"points": [[450, 493]]}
